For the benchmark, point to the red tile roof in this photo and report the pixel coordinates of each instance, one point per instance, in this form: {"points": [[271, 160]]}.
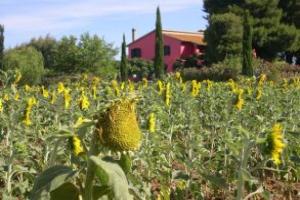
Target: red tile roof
{"points": [[193, 37]]}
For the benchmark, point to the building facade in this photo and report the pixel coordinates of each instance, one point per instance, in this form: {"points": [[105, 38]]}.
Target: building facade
{"points": [[177, 45]]}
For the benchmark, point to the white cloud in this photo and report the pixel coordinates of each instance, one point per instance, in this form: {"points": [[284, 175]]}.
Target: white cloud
{"points": [[52, 15]]}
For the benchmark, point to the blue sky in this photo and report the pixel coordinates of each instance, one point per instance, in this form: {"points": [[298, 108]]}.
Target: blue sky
{"points": [[24, 19]]}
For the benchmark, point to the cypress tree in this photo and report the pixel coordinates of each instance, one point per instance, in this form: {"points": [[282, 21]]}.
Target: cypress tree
{"points": [[159, 47], [247, 45], [1, 45], [123, 65]]}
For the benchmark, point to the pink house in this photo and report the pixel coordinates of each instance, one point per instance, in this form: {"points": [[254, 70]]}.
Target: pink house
{"points": [[177, 45]]}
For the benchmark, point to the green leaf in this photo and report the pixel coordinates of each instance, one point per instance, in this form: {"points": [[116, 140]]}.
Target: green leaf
{"points": [[117, 181], [125, 163], [266, 195], [102, 175], [65, 191], [261, 140], [83, 128], [216, 180], [100, 192], [50, 180], [246, 175]]}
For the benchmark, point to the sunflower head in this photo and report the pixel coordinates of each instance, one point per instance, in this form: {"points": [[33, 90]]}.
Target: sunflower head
{"points": [[177, 75], [95, 81], [60, 87], [151, 123], [276, 143], [145, 82], [118, 127], [160, 86], [262, 79], [1, 105], [18, 77], [84, 102], [76, 145]]}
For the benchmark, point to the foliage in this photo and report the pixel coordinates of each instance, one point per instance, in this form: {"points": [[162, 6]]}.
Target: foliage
{"points": [[70, 54], [217, 73], [140, 68], [159, 65], [109, 72], [124, 63], [47, 46], [67, 55], [247, 46], [28, 61], [291, 11], [189, 62], [223, 37], [291, 16], [271, 34], [95, 53], [275, 71]]}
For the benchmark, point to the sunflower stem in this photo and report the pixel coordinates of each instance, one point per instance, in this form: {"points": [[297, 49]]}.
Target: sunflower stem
{"points": [[244, 160], [91, 170]]}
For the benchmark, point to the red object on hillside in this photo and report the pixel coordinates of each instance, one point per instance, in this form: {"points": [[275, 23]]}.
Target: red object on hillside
{"points": [[177, 45]]}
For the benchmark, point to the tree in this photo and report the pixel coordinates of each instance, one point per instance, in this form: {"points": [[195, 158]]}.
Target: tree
{"points": [[291, 16], [123, 64], [247, 45], [159, 47], [291, 12], [220, 6], [88, 54], [1, 45], [47, 46], [223, 37], [67, 55], [28, 61], [95, 53], [270, 34], [70, 54]]}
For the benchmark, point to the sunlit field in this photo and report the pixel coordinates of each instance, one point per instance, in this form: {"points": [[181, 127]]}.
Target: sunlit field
{"points": [[165, 139]]}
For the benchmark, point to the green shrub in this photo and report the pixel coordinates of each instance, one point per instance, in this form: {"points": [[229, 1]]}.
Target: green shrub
{"points": [[230, 68], [28, 61], [212, 73], [274, 70], [107, 72], [234, 63], [141, 68], [189, 62]]}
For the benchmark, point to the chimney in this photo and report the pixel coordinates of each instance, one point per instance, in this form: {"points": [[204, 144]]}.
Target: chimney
{"points": [[133, 34]]}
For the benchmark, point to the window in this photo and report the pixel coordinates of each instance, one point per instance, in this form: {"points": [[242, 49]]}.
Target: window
{"points": [[167, 50], [136, 53]]}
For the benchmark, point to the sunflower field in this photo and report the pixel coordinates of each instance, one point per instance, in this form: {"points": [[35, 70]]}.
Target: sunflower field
{"points": [[163, 139]]}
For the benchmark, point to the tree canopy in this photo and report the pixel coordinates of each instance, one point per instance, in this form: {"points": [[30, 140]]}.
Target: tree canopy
{"points": [[28, 61], [274, 24], [88, 53]]}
